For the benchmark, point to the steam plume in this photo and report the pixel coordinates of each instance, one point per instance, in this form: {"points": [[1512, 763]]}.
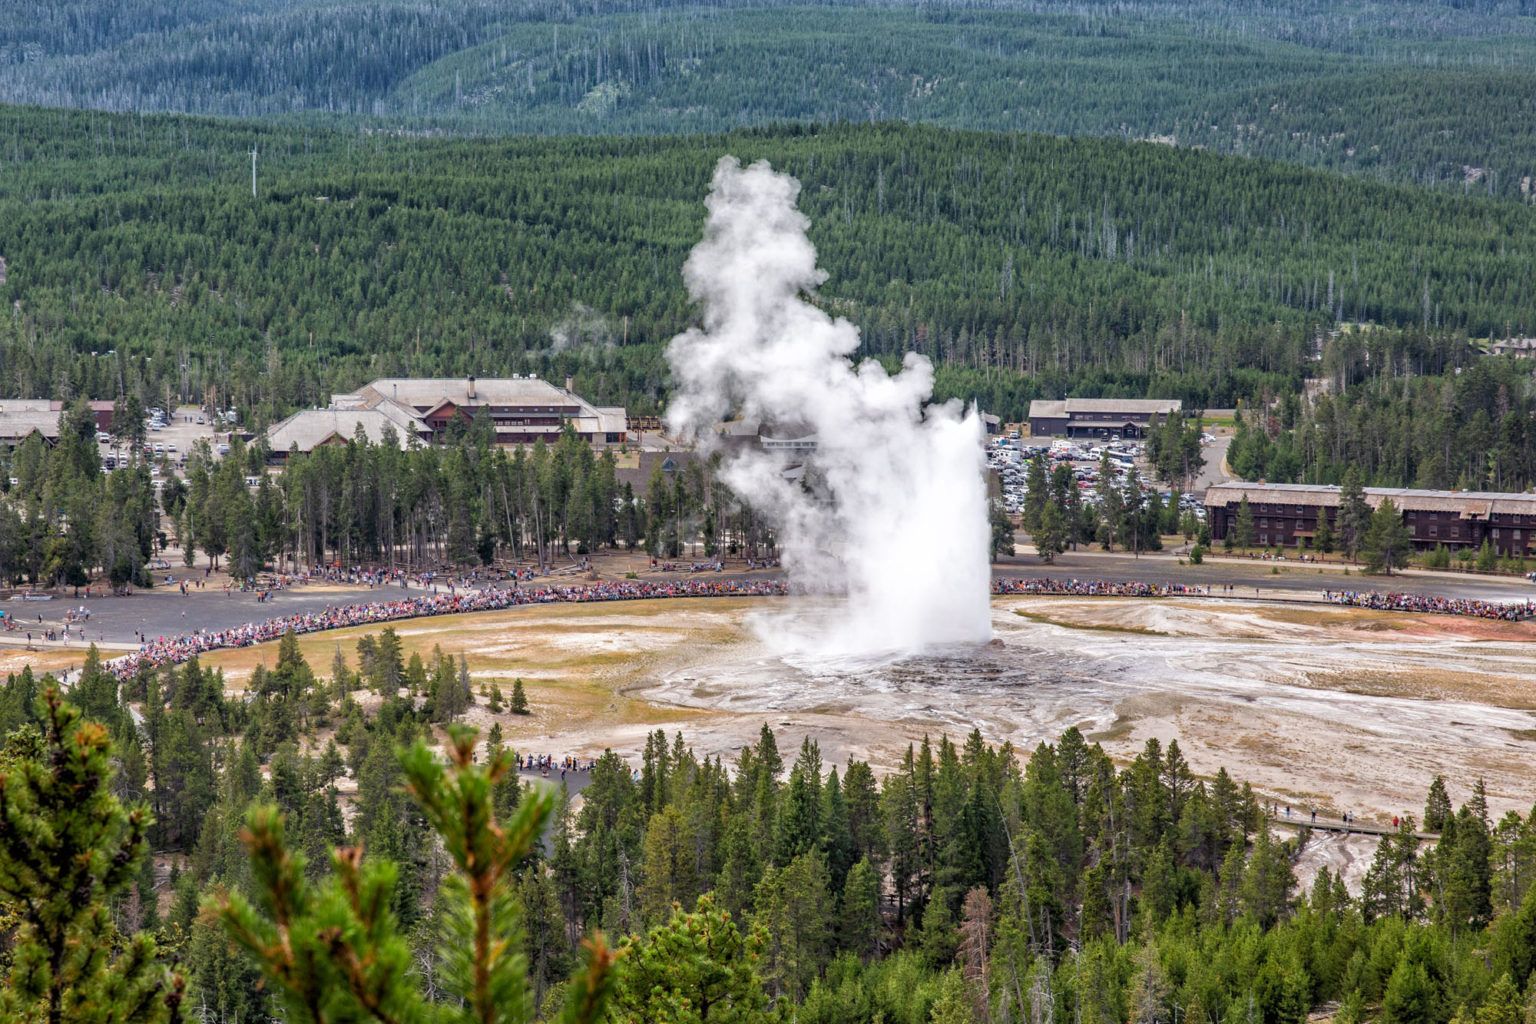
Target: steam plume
{"points": [[892, 511]]}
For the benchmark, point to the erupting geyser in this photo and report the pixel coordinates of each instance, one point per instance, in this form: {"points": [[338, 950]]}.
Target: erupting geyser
{"points": [[892, 509]]}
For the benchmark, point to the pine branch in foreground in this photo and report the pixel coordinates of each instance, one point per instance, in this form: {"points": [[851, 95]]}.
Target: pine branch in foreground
{"points": [[67, 845], [334, 952]]}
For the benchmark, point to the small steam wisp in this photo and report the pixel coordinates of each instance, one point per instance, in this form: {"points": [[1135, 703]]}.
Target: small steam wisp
{"points": [[891, 511]]}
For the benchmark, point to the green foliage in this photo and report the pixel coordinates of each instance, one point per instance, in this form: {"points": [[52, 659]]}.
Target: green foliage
{"points": [[1002, 530], [695, 968], [336, 952], [1457, 420], [967, 883], [1387, 542], [68, 846], [1052, 535], [1242, 530], [519, 703], [393, 254], [1404, 91]]}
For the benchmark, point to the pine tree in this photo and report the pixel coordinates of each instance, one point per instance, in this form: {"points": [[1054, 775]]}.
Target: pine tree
{"points": [[67, 847], [1036, 494], [793, 905], [1051, 535], [466, 687], [1243, 529], [1487, 557], [858, 927], [496, 704], [1437, 806], [1002, 540], [1323, 539], [335, 952], [1354, 520], [694, 968], [1387, 541], [1502, 1004], [519, 704]]}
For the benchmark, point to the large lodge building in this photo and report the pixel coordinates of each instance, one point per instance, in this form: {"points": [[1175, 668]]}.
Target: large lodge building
{"points": [[1286, 514], [521, 410], [1098, 417]]}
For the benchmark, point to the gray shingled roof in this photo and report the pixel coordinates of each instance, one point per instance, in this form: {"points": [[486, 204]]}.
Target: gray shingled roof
{"points": [[428, 392], [17, 425], [1408, 499], [311, 428], [1110, 406]]}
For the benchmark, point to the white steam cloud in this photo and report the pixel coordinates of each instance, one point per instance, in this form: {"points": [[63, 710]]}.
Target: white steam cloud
{"points": [[892, 510]]}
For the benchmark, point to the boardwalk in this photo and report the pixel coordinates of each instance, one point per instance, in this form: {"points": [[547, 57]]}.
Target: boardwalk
{"points": [[1303, 820]]}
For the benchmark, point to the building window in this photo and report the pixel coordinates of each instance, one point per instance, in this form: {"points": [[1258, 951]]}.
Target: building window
{"points": [[1434, 531]]}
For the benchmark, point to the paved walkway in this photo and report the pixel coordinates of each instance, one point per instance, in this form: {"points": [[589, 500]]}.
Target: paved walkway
{"points": [[116, 622], [574, 779]]}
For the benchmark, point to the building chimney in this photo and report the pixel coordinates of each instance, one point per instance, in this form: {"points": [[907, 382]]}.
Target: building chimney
{"points": [[569, 383], [471, 389]]}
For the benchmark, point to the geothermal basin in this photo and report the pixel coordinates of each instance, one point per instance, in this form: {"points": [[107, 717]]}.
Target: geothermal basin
{"points": [[1337, 708], [1334, 708]]}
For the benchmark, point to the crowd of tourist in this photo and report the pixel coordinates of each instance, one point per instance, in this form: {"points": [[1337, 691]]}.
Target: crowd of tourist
{"points": [[1093, 588], [1512, 611], [171, 650], [545, 763]]}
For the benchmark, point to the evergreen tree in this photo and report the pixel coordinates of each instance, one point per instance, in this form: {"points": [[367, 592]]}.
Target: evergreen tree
{"points": [[1354, 522], [1037, 492], [335, 952], [1243, 530], [792, 905], [1051, 536], [1323, 539], [694, 968], [1437, 806], [67, 848], [1387, 541], [519, 705], [1002, 530], [858, 928]]}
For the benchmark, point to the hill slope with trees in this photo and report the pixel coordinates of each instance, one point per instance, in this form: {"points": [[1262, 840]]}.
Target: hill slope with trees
{"points": [[1417, 91], [137, 259]]}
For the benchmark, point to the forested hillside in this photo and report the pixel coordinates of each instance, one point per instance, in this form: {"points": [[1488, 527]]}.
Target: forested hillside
{"points": [[967, 885], [136, 258], [1416, 90]]}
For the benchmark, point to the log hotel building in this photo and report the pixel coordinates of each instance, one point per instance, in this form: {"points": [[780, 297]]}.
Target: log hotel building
{"points": [[1286, 514], [1098, 417], [413, 410]]}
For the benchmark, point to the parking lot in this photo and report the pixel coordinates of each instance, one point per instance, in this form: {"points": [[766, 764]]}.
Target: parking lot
{"points": [[169, 439], [1009, 457]]}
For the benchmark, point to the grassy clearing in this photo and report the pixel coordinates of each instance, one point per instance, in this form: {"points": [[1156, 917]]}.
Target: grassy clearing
{"points": [[577, 662], [14, 659]]}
